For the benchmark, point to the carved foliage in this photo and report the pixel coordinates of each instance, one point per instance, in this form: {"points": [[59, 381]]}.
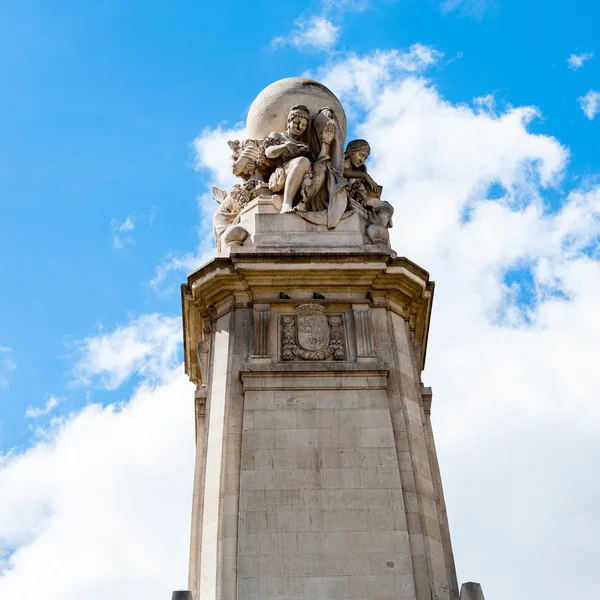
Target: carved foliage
{"points": [[312, 335]]}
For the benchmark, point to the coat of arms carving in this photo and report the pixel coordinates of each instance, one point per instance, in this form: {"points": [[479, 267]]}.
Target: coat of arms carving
{"points": [[312, 335]]}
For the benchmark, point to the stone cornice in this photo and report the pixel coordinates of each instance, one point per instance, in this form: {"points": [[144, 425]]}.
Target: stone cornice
{"points": [[242, 279]]}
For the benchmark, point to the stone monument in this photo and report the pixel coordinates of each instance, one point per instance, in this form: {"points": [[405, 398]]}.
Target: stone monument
{"points": [[316, 471]]}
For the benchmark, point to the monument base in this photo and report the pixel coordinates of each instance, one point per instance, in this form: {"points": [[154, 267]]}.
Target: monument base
{"points": [[270, 230], [316, 470]]}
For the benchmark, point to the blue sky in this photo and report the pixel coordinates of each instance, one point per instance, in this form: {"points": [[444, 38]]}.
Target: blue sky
{"points": [[100, 102], [106, 107]]}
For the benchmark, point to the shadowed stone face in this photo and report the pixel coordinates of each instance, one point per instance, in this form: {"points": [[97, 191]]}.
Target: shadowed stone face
{"points": [[358, 158], [297, 126]]}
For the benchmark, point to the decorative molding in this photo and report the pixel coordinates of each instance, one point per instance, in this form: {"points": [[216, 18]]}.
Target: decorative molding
{"points": [[427, 397], [315, 376], [312, 335], [364, 334], [417, 353], [203, 354], [261, 322]]}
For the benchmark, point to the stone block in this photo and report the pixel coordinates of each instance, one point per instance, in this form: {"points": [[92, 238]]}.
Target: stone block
{"points": [[345, 520], [471, 591], [299, 399], [364, 417], [274, 419], [285, 458], [321, 418], [390, 563], [337, 399], [377, 437]]}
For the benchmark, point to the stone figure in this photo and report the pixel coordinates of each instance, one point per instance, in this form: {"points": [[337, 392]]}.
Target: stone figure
{"points": [[305, 170], [249, 160], [291, 155], [365, 191], [304, 163], [355, 171], [226, 226], [304, 157]]}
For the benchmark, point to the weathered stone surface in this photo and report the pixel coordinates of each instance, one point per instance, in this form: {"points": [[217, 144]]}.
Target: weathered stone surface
{"points": [[316, 471], [295, 162], [471, 591], [315, 475], [269, 110]]}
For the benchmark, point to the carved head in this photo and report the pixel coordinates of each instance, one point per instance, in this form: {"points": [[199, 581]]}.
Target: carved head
{"points": [[297, 120], [357, 151]]}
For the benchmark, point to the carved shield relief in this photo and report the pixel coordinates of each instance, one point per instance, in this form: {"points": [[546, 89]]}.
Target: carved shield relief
{"points": [[312, 335], [313, 331]]}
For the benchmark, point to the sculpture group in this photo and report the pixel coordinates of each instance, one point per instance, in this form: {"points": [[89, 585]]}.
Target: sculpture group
{"points": [[305, 170]]}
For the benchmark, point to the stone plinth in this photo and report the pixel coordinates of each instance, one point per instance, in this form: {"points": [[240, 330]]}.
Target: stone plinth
{"points": [[316, 474], [269, 230]]}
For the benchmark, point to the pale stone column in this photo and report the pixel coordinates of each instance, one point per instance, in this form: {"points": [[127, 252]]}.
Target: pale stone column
{"points": [[213, 557], [316, 472], [198, 493], [426, 395]]}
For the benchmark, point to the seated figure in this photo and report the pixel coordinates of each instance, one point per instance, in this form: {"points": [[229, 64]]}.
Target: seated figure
{"points": [[361, 185], [294, 158], [362, 189], [291, 156]]}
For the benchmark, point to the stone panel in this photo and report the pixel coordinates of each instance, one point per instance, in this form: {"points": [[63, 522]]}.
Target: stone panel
{"points": [[321, 507]]}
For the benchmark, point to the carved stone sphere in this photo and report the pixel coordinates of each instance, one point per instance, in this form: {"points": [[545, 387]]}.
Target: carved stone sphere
{"points": [[270, 109]]}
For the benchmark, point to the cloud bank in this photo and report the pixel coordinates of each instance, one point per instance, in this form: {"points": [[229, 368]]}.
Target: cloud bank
{"points": [[101, 508], [514, 333]]}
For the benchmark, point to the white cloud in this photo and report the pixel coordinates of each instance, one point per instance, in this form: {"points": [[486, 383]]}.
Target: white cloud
{"points": [[590, 104], [213, 155], [471, 8], [102, 508], [183, 262], [369, 74], [511, 360], [575, 61], [34, 413], [515, 331], [122, 232], [147, 346], [7, 365], [314, 32], [515, 412]]}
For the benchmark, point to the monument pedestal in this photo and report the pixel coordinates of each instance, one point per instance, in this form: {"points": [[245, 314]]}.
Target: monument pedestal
{"points": [[316, 472], [299, 232]]}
